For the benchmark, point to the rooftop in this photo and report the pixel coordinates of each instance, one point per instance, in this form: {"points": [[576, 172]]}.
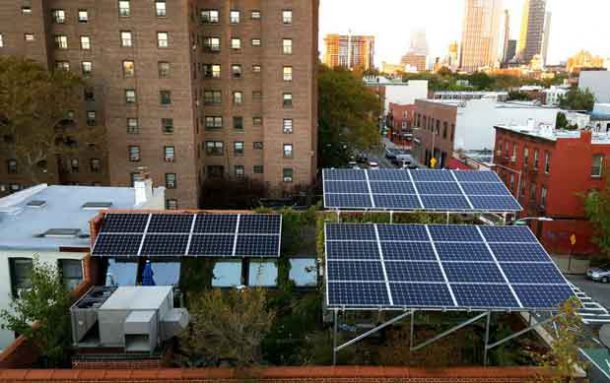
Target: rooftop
{"points": [[48, 217], [549, 133], [137, 298], [492, 101]]}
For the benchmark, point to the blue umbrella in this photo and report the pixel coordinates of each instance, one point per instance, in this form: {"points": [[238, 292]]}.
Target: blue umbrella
{"points": [[147, 275]]}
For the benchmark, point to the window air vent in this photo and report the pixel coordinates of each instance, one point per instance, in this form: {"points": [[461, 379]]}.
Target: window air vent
{"points": [[36, 203], [61, 233], [97, 205]]}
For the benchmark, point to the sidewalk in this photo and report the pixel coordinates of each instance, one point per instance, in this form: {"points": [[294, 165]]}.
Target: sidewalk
{"points": [[576, 266]]}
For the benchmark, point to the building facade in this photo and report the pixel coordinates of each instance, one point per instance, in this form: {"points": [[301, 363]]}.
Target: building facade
{"points": [[532, 30], [349, 51], [178, 85], [549, 171], [481, 40], [414, 62]]}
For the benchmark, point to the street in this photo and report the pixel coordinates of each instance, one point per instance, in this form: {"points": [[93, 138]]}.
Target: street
{"points": [[598, 291]]}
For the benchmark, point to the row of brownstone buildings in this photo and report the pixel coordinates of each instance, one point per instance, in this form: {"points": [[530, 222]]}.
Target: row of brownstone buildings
{"points": [[191, 89]]}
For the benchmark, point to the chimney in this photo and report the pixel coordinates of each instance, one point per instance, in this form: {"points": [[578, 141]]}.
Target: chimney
{"points": [[143, 187]]}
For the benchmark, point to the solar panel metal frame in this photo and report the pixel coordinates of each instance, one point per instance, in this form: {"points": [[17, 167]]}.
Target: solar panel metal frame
{"points": [[492, 237], [460, 178], [192, 232]]}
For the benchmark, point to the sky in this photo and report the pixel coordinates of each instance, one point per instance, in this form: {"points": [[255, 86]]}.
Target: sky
{"points": [[575, 25]]}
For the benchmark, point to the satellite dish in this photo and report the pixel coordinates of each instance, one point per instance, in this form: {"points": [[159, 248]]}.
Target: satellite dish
{"points": [[604, 335]]}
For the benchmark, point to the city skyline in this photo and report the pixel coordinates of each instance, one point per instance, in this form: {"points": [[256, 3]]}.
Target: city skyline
{"points": [[383, 20]]}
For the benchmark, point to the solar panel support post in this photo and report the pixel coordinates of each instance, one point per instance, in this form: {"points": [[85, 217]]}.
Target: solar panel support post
{"points": [[448, 217], [486, 337], [448, 332], [336, 315], [391, 216], [412, 330], [519, 333]]}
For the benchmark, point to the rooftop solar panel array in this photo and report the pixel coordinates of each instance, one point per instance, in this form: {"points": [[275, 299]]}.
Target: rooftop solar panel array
{"points": [[438, 267], [197, 235], [420, 189]]}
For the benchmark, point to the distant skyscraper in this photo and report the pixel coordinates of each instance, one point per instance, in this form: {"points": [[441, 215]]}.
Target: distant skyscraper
{"points": [[511, 50], [547, 33], [481, 34], [349, 51], [414, 62], [454, 51], [419, 42], [532, 29], [506, 39]]}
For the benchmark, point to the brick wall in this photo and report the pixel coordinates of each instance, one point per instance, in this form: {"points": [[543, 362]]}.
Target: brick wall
{"points": [[284, 375]]}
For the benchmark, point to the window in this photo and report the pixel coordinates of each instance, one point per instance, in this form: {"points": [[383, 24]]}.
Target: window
{"points": [[169, 154], [11, 166], [513, 158], [213, 122], [62, 65], [287, 125], [164, 69], [227, 274], [238, 98], [61, 42], [167, 125], [95, 165], [257, 121], [445, 128], [134, 153], [287, 16], [287, 100], [126, 40], [215, 171], [71, 271], [258, 169], [133, 126], [162, 39], [129, 68], [257, 145], [74, 165], [91, 118], [262, 273], [287, 46], [238, 123], [171, 204], [1, 41], [511, 183], [238, 148], [303, 272], [160, 8], [287, 73], [256, 68], [235, 43], [287, 174], [543, 195], [59, 16], [526, 156], [89, 95], [85, 43], [288, 151], [256, 42], [212, 97], [547, 162], [124, 8], [130, 96], [29, 37], [170, 180], [211, 44], [83, 16], [597, 166], [26, 10], [532, 193], [536, 159], [211, 70], [236, 70], [234, 17], [165, 97], [214, 148], [87, 67], [255, 15], [239, 171], [209, 16], [20, 269]]}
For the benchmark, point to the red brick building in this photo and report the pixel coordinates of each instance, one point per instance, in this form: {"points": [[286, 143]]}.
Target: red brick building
{"points": [[400, 120], [550, 172]]}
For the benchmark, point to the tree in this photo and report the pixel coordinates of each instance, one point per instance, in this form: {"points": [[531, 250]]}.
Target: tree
{"points": [[518, 95], [577, 99], [41, 314], [562, 122], [348, 116], [597, 206], [227, 326], [36, 125]]}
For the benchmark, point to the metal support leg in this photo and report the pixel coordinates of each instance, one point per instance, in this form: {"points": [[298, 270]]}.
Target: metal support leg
{"points": [[335, 339], [371, 331], [391, 217], [450, 331], [519, 333], [448, 218], [486, 338], [412, 330], [504, 219]]}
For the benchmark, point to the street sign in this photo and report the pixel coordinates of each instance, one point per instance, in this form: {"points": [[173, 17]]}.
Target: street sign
{"points": [[599, 358]]}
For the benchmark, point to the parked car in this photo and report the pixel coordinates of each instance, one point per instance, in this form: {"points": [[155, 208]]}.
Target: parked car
{"points": [[373, 165], [599, 273]]}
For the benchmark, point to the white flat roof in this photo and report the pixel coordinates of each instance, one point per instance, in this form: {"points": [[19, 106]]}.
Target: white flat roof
{"points": [[137, 298], [554, 134]]}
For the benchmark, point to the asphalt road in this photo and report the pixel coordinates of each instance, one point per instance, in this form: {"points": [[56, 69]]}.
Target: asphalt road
{"points": [[596, 290]]}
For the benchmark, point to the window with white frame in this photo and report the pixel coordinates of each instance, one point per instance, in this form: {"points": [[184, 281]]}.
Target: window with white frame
{"points": [[238, 148], [134, 153], [238, 97], [130, 96], [288, 125], [129, 68], [597, 165], [124, 8], [287, 16], [162, 39], [256, 42], [59, 16], [287, 73], [83, 16], [211, 44], [214, 148], [87, 68], [288, 174], [62, 65], [255, 15], [61, 42], [287, 100], [288, 151], [213, 122], [211, 70], [210, 16], [169, 153], [85, 43], [234, 17], [160, 8], [29, 37], [239, 171], [126, 39], [235, 43], [287, 46], [132, 126], [171, 180]]}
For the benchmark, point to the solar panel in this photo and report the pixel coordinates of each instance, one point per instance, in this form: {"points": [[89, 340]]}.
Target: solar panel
{"points": [[181, 233], [454, 267], [413, 190]]}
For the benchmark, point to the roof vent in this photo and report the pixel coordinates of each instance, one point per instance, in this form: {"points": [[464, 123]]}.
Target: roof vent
{"points": [[97, 205], [61, 233], [37, 203]]}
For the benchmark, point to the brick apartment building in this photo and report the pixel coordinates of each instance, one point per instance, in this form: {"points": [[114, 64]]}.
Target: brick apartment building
{"points": [[550, 172], [190, 89]]}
